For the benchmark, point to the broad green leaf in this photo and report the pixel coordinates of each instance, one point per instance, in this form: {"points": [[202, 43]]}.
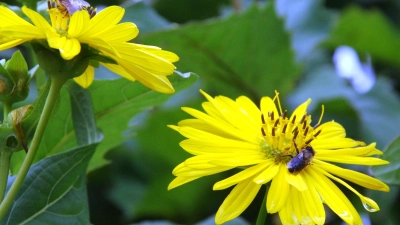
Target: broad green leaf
{"points": [[115, 103], [390, 173], [54, 191], [368, 31], [246, 54]]}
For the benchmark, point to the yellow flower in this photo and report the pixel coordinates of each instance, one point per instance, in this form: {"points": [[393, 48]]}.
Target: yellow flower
{"points": [[148, 64], [237, 134]]}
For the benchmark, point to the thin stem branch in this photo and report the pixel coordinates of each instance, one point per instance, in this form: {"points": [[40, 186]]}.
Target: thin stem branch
{"points": [[51, 100], [5, 156], [262, 214], [6, 110]]}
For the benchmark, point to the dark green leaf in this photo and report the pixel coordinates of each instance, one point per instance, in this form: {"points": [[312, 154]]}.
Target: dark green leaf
{"points": [[83, 115], [54, 191], [244, 54], [368, 31], [390, 173]]}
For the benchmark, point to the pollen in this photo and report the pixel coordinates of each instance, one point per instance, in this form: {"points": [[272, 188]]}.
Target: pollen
{"points": [[284, 137]]}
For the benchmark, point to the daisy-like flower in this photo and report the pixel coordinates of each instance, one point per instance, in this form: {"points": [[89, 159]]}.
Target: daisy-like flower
{"points": [[73, 24], [290, 153]]}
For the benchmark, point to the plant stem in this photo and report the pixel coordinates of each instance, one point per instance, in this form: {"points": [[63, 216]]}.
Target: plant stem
{"points": [[51, 100], [262, 214], [6, 110], [5, 156]]}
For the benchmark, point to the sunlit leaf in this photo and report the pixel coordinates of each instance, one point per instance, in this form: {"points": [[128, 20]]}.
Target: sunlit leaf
{"points": [[246, 54]]}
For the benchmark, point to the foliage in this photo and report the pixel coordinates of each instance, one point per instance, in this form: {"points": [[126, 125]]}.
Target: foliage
{"points": [[116, 131]]}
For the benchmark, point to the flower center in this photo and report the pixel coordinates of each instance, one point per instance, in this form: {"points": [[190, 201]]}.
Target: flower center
{"points": [[285, 138], [61, 10]]}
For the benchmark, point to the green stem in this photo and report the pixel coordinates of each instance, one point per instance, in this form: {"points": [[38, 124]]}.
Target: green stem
{"points": [[5, 156], [6, 110], [51, 100], [262, 214]]}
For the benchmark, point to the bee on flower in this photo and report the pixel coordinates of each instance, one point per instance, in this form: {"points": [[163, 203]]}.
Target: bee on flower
{"points": [[75, 24], [287, 152]]}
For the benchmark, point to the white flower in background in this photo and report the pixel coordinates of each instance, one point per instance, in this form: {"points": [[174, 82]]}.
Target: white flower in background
{"points": [[348, 65]]}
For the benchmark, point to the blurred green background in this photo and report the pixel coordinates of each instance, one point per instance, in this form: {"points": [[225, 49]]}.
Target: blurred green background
{"points": [[253, 48]]}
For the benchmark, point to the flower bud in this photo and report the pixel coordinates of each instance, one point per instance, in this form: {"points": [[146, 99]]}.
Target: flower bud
{"points": [[14, 79]]}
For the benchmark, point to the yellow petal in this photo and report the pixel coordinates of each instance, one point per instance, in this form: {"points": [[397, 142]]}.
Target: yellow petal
{"points": [[10, 18], [314, 206], [296, 180], [250, 110], [189, 172], [299, 208], [333, 143], [11, 44], [267, 175], [243, 175], [368, 203], [300, 111], [120, 33], [169, 56], [268, 106], [70, 49], [86, 79], [238, 160], [237, 201], [178, 181], [353, 176], [287, 215], [37, 19], [152, 81], [355, 160], [26, 32], [143, 59], [279, 191], [358, 151], [104, 20], [199, 147], [333, 197], [79, 23], [118, 70], [193, 133], [331, 130], [220, 125]]}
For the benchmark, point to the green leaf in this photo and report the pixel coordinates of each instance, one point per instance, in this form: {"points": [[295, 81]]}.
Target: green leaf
{"points": [[115, 102], [54, 191], [246, 54], [83, 115], [368, 31], [390, 173]]}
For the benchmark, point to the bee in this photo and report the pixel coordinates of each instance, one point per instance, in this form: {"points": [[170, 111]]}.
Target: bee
{"points": [[301, 160]]}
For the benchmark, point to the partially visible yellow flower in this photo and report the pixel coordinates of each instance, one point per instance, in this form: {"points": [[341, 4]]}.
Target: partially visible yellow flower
{"points": [[265, 142], [148, 64]]}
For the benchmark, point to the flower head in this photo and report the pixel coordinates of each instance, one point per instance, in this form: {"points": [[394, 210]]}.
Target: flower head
{"points": [[73, 23], [274, 147]]}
